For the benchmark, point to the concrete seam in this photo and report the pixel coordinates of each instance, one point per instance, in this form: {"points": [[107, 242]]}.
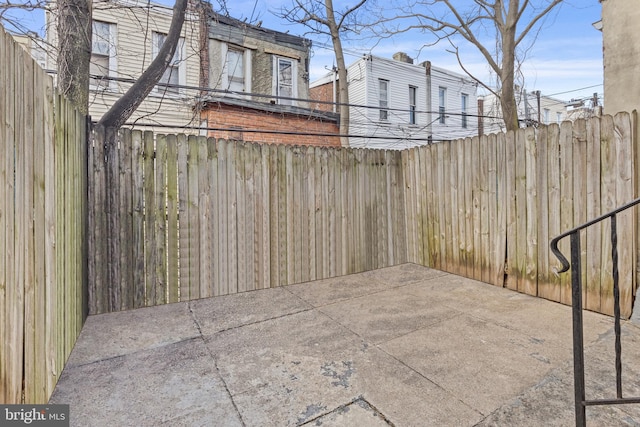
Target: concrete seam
{"points": [[215, 364]]}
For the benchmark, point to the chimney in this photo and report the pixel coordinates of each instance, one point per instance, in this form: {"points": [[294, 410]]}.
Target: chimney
{"points": [[402, 57]]}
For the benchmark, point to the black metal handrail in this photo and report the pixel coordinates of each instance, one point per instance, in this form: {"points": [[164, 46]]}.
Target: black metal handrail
{"points": [[576, 301]]}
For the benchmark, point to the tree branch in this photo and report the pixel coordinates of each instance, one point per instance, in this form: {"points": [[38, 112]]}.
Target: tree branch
{"points": [[122, 109]]}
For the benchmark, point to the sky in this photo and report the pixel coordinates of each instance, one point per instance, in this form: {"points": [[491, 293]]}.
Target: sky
{"points": [[565, 61]]}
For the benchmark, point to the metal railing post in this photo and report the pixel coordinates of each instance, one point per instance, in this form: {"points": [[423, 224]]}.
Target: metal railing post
{"points": [[578, 338]]}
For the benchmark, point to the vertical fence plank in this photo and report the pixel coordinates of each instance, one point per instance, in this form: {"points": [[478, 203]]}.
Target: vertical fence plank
{"points": [[335, 224], [579, 148], [511, 280], [242, 179], [232, 218], [469, 191], [127, 290], [205, 219], [530, 272], [492, 260], [6, 185], [624, 194], [193, 201], [501, 204], [30, 303], [183, 217], [521, 240], [52, 365], [137, 219], [566, 200], [593, 233], [476, 209], [484, 250], [551, 289], [6, 213], [274, 216], [15, 293], [213, 239], [150, 238], [173, 201], [542, 208], [160, 218], [454, 209], [282, 176], [263, 159], [223, 219], [444, 153], [409, 163], [608, 203], [460, 147]]}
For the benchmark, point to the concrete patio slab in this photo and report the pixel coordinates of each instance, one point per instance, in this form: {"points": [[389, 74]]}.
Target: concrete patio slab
{"points": [[400, 346]]}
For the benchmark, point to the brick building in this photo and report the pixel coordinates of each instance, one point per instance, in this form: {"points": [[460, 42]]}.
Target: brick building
{"points": [[252, 121]]}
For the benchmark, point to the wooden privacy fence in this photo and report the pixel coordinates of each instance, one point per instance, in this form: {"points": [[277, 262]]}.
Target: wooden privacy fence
{"points": [[487, 208], [201, 217], [42, 223]]}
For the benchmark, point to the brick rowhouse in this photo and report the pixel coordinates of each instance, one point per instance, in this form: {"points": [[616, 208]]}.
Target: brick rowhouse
{"points": [[235, 119]]}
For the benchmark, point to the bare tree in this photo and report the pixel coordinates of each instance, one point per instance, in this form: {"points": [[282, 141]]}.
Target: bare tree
{"points": [[510, 22], [321, 18], [122, 109]]}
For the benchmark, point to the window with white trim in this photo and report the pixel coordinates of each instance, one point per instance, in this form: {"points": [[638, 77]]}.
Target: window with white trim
{"points": [[234, 68], [103, 56], [464, 101], [174, 75], [442, 104], [285, 80], [412, 104], [383, 99]]}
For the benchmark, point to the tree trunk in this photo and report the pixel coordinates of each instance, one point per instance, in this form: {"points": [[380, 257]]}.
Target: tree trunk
{"points": [[507, 74], [108, 126], [74, 51], [343, 87], [124, 107]]}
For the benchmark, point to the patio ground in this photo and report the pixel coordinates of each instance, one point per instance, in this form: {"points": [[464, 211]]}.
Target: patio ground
{"points": [[400, 346]]}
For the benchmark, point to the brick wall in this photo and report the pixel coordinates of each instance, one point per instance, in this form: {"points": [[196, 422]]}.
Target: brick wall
{"points": [[322, 93], [228, 117]]}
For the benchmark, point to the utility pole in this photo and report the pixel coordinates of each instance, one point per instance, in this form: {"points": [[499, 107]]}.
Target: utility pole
{"points": [[538, 100], [527, 119]]}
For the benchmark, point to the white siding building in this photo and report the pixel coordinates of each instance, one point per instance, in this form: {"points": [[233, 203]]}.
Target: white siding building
{"points": [[230, 59], [397, 105], [533, 108], [126, 38]]}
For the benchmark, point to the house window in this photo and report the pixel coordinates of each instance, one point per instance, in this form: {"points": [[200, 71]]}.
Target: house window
{"points": [[546, 116], [235, 70], [174, 74], [383, 96], [442, 103], [285, 80], [464, 101], [412, 104], [103, 59], [559, 118]]}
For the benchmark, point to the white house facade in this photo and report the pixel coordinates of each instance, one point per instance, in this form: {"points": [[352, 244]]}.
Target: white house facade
{"points": [[533, 109], [217, 57], [396, 104]]}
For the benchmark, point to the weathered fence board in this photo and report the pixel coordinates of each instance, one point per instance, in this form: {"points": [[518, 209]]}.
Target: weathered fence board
{"points": [[42, 226], [236, 216]]}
